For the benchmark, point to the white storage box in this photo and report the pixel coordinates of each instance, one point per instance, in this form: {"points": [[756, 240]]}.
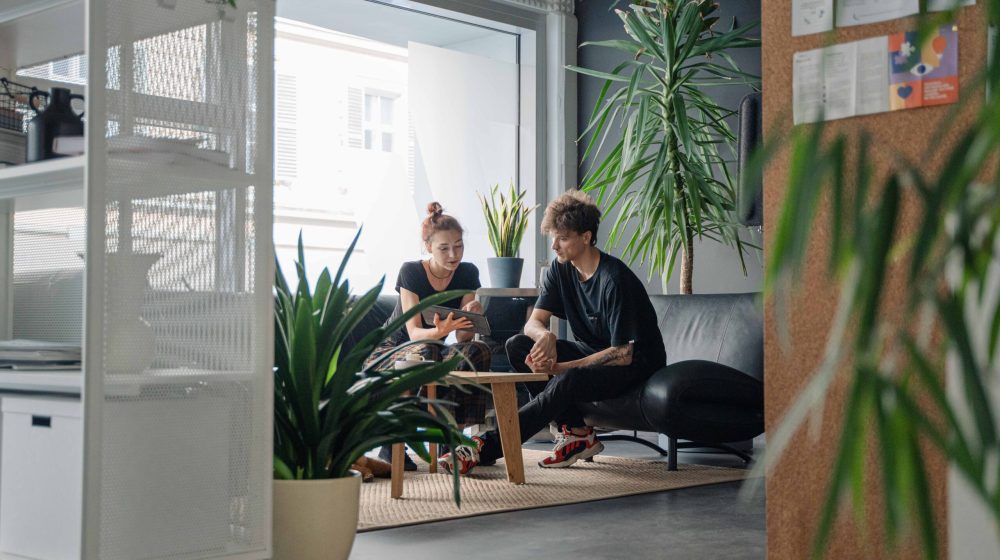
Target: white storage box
{"points": [[13, 147], [41, 478]]}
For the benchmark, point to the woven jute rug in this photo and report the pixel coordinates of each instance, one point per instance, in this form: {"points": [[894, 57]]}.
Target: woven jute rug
{"points": [[428, 497]]}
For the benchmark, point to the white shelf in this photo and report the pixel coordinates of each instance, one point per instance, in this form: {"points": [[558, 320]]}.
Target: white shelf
{"points": [[159, 178], [67, 382], [42, 177], [70, 382]]}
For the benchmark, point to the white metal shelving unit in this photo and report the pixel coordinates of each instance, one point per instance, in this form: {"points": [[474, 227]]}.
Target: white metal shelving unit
{"points": [[176, 382]]}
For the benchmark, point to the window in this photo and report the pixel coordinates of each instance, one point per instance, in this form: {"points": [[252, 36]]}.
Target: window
{"points": [[413, 109], [378, 123]]}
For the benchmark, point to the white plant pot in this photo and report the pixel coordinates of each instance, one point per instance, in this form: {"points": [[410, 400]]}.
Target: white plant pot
{"points": [[315, 519]]}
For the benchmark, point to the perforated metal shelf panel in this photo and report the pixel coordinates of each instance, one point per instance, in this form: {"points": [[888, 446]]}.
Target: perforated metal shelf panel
{"points": [[185, 456]]}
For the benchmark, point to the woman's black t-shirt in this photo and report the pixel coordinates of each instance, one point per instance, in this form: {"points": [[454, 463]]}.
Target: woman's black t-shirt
{"points": [[413, 277]]}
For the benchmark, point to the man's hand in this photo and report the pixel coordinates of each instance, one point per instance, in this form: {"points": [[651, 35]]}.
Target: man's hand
{"points": [[544, 350], [545, 366]]}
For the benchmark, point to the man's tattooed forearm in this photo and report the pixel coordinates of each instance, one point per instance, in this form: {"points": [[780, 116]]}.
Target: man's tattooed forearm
{"points": [[620, 355]]}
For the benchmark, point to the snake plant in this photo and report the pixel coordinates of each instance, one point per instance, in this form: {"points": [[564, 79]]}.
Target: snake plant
{"points": [[506, 219]]}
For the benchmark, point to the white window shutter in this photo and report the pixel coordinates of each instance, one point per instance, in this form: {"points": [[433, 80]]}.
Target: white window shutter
{"points": [[286, 130], [354, 116]]}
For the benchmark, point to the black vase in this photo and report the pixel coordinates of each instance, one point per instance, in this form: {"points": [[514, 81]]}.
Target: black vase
{"points": [[58, 119]]}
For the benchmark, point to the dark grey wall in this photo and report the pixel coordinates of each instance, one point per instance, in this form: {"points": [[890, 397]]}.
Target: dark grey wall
{"points": [[716, 268]]}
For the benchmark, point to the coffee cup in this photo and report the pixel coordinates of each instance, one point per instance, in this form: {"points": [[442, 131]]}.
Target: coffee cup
{"points": [[409, 360]]}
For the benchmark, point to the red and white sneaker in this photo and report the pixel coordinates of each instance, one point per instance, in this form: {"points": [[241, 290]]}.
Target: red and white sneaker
{"points": [[468, 457], [570, 448]]}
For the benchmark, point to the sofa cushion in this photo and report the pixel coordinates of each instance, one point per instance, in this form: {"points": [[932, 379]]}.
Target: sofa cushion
{"points": [[375, 318], [723, 328]]}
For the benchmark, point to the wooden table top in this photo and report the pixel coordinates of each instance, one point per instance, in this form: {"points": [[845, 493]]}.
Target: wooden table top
{"points": [[499, 376]]}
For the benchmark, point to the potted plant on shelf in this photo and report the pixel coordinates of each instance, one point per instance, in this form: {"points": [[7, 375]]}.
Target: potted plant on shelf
{"points": [[506, 222], [665, 172], [329, 410]]}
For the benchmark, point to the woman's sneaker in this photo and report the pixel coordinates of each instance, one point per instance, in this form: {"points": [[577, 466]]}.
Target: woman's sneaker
{"points": [[468, 457], [386, 455], [570, 448]]}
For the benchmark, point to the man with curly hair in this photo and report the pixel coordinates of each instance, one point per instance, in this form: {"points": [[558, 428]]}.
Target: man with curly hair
{"points": [[617, 342]]}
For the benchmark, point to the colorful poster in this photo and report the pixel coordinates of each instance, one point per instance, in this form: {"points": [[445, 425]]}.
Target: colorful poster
{"points": [[924, 75], [875, 75]]}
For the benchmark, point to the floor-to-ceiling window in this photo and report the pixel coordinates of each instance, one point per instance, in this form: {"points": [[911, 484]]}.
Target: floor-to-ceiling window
{"points": [[379, 111]]}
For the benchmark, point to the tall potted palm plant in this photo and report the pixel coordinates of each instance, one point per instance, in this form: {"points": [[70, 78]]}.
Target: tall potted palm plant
{"points": [[666, 174], [506, 221], [329, 409]]}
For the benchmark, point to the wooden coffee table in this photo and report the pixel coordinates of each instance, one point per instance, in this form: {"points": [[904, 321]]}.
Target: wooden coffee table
{"points": [[505, 404]]}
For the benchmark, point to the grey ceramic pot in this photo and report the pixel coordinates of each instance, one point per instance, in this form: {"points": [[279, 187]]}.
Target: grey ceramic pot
{"points": [[505, 272]]}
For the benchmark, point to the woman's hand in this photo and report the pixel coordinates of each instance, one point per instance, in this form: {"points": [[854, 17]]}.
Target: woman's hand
{"points": [[450, 323], [473, 307]]}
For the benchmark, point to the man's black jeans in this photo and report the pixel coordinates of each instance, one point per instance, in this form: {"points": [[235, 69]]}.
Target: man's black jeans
{"points": [[557, 398]]}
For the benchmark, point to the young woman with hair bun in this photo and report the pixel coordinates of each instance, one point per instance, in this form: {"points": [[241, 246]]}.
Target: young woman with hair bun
{"points": [[443, 270]]}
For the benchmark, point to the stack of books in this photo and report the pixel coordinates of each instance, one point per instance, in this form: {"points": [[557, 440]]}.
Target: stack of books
{"points": [[20, 354]]}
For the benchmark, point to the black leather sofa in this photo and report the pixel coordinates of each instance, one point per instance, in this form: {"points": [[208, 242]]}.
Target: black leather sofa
{"points": [[711, 392]]}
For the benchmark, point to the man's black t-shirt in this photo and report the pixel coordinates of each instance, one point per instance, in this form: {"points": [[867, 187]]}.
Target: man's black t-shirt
{"points": [[611, 308], [413, 277]]}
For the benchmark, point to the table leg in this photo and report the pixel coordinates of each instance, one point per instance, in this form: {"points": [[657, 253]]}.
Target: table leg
{"points": [[398, 452], [433, 467], [505, 404]]}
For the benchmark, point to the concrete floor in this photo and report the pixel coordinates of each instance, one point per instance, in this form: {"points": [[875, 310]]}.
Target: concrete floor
{"points": [[707, 522]]}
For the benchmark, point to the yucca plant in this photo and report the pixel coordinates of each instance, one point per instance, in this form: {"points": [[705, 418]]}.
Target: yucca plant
{"points": [[506, 219], [328, 408], [896, 363], [666, 173]]}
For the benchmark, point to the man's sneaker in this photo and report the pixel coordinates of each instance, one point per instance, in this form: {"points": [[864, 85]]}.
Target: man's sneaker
{"points": [[570, 448], [468, 457]]}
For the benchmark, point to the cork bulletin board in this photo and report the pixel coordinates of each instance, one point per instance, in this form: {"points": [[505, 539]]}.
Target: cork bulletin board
{"points": [[797, 488]]}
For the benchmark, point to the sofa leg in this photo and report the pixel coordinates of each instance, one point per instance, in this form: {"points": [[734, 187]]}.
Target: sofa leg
{"points": [[633, 439], [721, 447], [671, 453]]}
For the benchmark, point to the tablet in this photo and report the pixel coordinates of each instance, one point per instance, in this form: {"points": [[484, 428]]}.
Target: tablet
{"points": [[479, 323]]}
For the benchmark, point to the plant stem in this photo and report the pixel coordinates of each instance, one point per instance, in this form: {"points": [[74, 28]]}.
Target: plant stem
{"points": [[673, 170], [687, 262]]}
